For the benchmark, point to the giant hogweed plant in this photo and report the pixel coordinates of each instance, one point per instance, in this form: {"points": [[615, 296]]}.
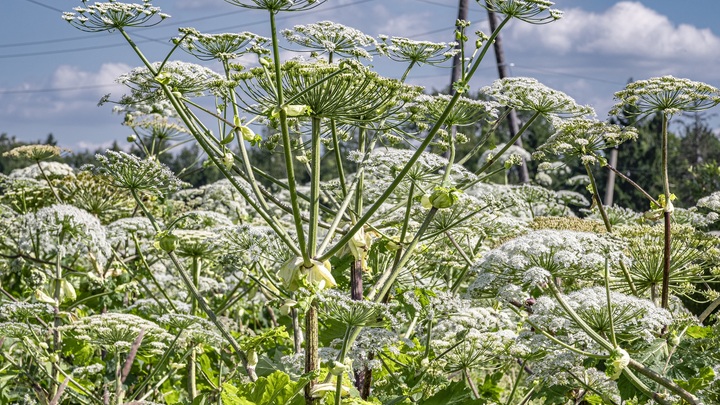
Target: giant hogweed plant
{"points": [[405, 279]]}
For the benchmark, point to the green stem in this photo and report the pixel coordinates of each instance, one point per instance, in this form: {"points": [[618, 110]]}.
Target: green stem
{"points": [[507, 146], [420, 149], [341, 359], [609, 304], [407, 71], [608, 226], [451, 158], [338, 158], [192, 371], [119, 394], [579, 321], [665, 294], [515, 384], [47, 179], [196, 294], [632, 183], [471, 384], [598, 201], [57, 321], [151, 275], [387, 279], [287, 148], [362, 147], [314, 187], [634, 380], [479, 146]]}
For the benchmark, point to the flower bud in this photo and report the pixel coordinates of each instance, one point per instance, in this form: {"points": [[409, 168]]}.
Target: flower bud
{"points": [[68, 291], [166, 241], [132, 138], [442, 197]]}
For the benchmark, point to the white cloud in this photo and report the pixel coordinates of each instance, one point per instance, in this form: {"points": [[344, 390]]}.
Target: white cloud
{"points": [[93, 146], [100, 82], [627, 29]]}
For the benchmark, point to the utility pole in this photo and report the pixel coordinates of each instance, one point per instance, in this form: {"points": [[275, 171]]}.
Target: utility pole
{"points": [[457, 64], [513, 121], [455, 75]]}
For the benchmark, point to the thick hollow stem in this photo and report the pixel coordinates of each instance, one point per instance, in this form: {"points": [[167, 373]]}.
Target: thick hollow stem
{"points": [[665, 294], [314, 188], [312, 362]]}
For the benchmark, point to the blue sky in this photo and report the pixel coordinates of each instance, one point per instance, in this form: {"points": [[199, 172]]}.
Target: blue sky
{"points": [[53, 75]]}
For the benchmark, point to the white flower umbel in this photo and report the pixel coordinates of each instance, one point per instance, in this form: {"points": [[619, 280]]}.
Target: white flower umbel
{"points": [[135, 174], [417, 52], [474, 334], [465, 112], [53, 170], [63, 230], [635, 320], [585, 139], [666, 94], [224, 46], [114, 15], [332, 38], [534, 259], [514, 155], [530, 11], [185, 79], [527, 94], [345, 91], [711, 202], [116, 332], [274, 6]]}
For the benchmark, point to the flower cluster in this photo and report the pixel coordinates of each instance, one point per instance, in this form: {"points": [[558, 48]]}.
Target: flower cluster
{"points": [[35, 152], [132, 173], [406, 50], [65, 231], [634, 319], [533, 259], [116, 332], [332, 38], [275, 6], [465, 111], [346, 91], [183, 78], [667, 94], [527, 94], [530, 11], [52, 170], [113, 15], [584, 138], [225, 46]]}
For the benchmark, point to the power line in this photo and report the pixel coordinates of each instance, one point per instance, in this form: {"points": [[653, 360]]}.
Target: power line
{"points": [[57, 89], [148, 39], [86, 37], [558, 73], [45, 5]]}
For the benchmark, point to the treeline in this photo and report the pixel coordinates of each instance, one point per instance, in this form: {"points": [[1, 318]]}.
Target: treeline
{"points": [[694, 154]]}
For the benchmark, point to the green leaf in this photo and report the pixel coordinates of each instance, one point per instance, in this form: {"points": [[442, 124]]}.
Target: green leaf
{"points": [[275, 389], [628, 391], [270, 338], [455, 393], [699, 332], [229, 396], [705, 377]]}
